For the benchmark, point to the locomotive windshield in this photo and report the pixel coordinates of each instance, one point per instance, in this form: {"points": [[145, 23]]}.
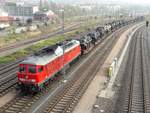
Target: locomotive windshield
{"points": [[22, 69], [32, 69]]}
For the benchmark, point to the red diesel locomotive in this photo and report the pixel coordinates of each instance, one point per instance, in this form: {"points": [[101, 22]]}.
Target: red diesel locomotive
{"points": [[36, 70]]}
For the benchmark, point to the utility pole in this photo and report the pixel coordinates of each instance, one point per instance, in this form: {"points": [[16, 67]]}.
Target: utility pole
{"points": [[85, 19], [41, 5], [97, 15], [102, 16], [62, 20], [23, 15], [80, 16]]}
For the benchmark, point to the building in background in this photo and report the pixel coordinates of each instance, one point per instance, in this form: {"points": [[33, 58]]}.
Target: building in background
{"points": [[16, 11]]}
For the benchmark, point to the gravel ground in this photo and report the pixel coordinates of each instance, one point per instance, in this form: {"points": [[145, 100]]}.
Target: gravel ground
{"points": [[8, 97]]}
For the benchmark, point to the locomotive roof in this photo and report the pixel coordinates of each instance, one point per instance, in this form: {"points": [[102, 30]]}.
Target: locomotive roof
{"points": [[50, 53]]}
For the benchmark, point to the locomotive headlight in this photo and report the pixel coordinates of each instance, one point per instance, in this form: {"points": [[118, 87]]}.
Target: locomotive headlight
{"points": [[21, 79]]}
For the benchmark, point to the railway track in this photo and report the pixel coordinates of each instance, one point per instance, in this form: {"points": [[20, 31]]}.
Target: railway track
{"points": [[7, 85], [134, 94], [146, 63], [136, 90], [10, 66], [8, 78], [23, 103]]}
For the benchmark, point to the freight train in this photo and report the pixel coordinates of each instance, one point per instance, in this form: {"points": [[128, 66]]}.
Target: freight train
{"points": [[37, 70]]}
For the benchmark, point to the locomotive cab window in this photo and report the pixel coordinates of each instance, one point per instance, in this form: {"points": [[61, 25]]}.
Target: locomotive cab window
{"points": [[40, 69], [22, 69], [32, 69]]}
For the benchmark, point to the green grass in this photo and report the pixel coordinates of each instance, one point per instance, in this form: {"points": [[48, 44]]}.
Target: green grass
{"points": [[6, 59], [14, 56]]}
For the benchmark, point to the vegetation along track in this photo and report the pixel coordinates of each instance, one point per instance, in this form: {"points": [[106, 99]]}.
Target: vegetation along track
{"points": [[134, 93], [23, 103]]}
